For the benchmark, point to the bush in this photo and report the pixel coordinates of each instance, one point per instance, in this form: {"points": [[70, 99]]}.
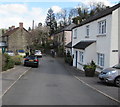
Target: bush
{"points": [[17, 59], [90, 69], [8, 62], [61, 51]]}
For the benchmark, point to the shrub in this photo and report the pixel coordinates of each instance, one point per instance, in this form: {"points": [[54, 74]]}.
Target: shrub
{"points": [[8, 62], [68, 58], [17, 59]]}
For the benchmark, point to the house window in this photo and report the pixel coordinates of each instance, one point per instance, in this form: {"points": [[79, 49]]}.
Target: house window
{"points": [[101, 58], [87, 30], [75, 34], [102, 27], [81, 56]]}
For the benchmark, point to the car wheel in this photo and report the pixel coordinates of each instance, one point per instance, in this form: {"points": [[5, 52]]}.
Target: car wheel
{"points": [[117, 81]]}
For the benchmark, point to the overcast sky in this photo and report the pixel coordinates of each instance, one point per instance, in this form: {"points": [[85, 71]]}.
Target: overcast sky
{"points": [[12, 12]]}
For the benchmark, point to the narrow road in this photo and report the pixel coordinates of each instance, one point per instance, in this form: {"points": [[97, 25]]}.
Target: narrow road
{"points": [[52, 84]]}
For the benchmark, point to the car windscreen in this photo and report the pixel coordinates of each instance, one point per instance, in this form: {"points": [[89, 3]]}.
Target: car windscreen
{"points": [[31, 57], [117, 66]]}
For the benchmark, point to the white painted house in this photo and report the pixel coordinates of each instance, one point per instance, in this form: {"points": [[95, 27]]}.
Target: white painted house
{"points": [[97, 39], [119, 33]]}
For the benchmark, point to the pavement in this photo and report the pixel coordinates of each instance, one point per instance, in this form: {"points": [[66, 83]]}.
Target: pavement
{"points": [[11, 76]]}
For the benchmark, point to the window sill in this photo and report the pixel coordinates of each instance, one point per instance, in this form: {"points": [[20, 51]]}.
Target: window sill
{"points": [[101, 35]]}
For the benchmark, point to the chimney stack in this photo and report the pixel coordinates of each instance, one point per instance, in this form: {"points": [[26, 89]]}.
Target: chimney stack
{"points": [[20, 25], [13, 27], [9, 29], [33, 25]]}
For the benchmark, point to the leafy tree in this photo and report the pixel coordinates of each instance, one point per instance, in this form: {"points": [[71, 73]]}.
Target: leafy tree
{"points": [[50, 21]]}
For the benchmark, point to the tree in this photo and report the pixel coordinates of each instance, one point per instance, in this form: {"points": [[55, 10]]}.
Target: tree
{"points": [[50, 21], [97, 7], [82, 15], [29, 29]]}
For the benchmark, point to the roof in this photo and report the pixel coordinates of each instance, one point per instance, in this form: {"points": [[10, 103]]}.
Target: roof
{"points": [[83, 44], [99, 15], [69, 45], [12, 31], [69, 27], [66, 28]]}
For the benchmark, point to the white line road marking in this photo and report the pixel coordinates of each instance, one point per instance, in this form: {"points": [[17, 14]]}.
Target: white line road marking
{"points": [[97, 90], [14, 83]]}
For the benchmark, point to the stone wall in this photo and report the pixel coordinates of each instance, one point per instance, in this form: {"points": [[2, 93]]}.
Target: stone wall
{"points": [[18, 40]]}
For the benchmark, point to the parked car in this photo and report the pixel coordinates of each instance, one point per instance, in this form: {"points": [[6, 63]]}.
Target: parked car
{"points": [[21, 52], [111, 75], [31, 60], [11, 53], [38, 53]]}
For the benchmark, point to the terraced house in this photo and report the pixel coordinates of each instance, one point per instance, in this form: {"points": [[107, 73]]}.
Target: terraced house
{"points": [[17, 38], [97, 39]]}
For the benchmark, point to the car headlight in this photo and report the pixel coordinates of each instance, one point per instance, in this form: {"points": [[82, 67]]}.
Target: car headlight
{"points": [[111, 72]]}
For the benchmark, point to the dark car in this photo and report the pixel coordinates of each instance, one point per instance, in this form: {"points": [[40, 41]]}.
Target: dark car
{"points": [[31, 61]]}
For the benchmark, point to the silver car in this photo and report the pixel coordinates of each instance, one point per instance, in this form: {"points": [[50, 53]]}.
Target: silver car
{"points": [[111, 75]]}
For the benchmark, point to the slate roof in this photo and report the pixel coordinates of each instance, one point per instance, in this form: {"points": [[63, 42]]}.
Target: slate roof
{"points": [[69, 45], [69, 27], [99, 15], [12, 31], [83, 44], [66, 28]]}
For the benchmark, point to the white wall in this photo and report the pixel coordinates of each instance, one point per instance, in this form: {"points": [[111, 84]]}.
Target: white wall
{"points": [[102, 41], [119, 34], [114, 38], [89, 55]]}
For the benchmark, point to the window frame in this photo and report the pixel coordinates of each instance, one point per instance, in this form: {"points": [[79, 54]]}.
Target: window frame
{"points": [[101, 59], [102, 27], [81, 56]]}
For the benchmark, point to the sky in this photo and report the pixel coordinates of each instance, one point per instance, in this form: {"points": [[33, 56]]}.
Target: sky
{"points": [[14, 11]]}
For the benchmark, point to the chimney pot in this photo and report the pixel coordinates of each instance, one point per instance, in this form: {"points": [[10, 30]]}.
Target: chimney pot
{"points": [[21, 25]]}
